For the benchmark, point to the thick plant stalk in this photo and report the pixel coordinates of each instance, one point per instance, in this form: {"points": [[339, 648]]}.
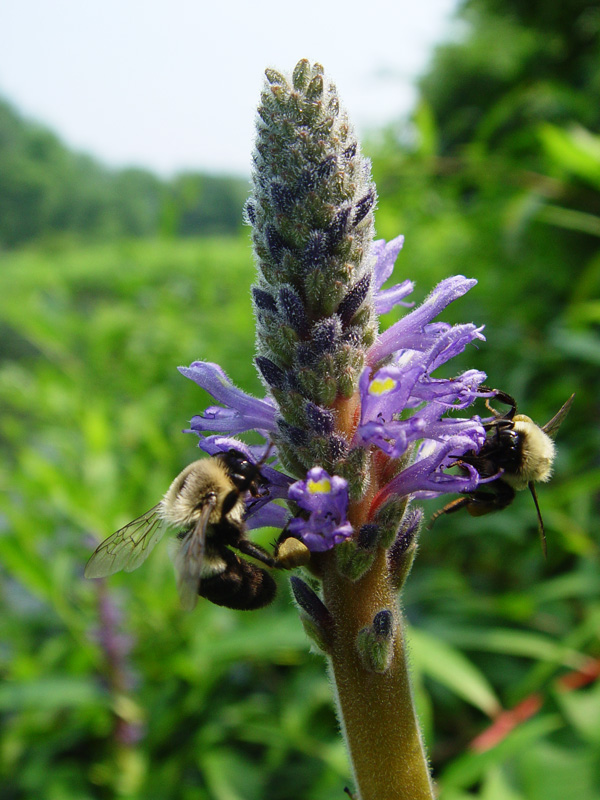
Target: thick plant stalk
{"points": [[376, 708]]}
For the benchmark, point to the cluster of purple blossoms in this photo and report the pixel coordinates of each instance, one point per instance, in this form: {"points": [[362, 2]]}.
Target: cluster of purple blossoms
{"points": [[358, 420], [402, 408]]}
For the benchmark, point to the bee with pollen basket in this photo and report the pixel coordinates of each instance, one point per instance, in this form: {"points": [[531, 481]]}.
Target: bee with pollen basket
{"points": [[206, 505]]}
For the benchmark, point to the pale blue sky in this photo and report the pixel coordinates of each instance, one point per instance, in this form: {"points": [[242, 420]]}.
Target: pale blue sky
{"points": [[173, 85]]}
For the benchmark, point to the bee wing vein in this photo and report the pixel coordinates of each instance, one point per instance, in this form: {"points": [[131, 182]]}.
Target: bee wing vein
{"points": [[128, 547], [552, 426]]}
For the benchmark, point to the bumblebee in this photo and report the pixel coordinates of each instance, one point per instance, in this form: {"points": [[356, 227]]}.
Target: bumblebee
{"points": [[206, 505], [516, 455]]}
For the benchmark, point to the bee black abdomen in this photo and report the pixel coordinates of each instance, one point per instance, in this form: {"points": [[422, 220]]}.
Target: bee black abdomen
{"points": [[242, 585]]}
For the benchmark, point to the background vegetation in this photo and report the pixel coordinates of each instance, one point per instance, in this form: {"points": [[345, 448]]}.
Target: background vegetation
{"points": [[48, 193], [109, 690]]}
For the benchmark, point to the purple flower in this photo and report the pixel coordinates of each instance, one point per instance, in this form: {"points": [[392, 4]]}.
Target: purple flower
{"points": [[388, 394], [325, 497], [402, 403], [242, 412], [427, 476], [403, 409], [414, 331]]}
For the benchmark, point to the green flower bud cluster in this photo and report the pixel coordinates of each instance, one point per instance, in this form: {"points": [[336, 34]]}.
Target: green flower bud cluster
{"points": [[375, 642]]}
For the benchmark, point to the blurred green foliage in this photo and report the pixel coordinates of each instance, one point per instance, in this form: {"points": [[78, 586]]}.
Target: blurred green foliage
{"points": [[49, 193], [109, 690]]}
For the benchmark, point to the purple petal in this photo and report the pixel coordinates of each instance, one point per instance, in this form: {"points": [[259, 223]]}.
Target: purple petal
{"points": [[215, 418], [221, 444], [386, 392], [386, 299], [452, 342], [451, 393], [318, 543], [426, 476], [268, 516], [386, 254], [243, 412], [326, 498], [396, 337]]}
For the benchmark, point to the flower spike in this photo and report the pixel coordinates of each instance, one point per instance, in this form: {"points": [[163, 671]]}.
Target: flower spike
{"points": [[360, 420]]}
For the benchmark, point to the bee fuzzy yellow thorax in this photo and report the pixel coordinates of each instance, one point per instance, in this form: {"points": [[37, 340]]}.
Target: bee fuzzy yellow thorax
{"points": [[202, 481], [537, 454]]}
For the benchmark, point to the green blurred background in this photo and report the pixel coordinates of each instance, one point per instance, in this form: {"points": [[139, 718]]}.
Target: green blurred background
{"points": [[109, 280]]}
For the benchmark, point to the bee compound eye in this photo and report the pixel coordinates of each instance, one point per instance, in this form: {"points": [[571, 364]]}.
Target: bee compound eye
{"points": [[238, 463]]}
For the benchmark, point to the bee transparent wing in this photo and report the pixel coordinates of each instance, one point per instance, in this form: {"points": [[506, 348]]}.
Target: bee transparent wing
{"points": [[189, 558], [554, 424], [128, 547]]}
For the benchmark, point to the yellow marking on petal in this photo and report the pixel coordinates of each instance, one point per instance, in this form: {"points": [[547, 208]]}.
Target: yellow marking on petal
{"points": [[319, 487], [381, 386]]}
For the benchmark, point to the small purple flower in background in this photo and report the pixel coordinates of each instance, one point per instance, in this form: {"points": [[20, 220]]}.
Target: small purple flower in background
{"points": [[128, 725]]}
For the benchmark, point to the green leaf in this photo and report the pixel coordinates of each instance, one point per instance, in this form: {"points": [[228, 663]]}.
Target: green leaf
{"points": [[229, 776], [569, 218], [425, 123], [582, 709], [576, 151], [551, 772], [517, 643], [49, 694], [497, 787], [470, 768], [447, 665]]}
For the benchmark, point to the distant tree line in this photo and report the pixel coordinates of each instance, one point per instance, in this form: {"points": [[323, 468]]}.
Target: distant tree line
{"points": [[47, 190]]}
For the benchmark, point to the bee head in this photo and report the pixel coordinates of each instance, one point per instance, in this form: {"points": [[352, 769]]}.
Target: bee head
{"points": [[244, 475]]}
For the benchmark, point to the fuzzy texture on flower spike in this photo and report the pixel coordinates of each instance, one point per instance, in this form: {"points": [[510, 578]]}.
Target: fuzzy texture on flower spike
{"points": [[359, 417], [315, 617], [375, 642], [311, 212]]}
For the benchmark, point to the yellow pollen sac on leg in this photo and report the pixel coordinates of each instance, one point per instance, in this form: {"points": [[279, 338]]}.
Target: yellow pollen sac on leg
{"points": [[319, 487], [379, 386]]}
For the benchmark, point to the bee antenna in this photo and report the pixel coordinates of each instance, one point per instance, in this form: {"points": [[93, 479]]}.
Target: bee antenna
{"points": [[540, 520]]}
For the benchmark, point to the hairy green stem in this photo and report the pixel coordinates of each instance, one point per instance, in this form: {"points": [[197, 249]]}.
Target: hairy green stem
{"points": [[376, 709]]}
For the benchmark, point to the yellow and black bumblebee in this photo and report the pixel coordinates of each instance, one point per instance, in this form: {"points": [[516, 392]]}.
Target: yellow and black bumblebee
{"points": [[205, 504], [516, 455]]}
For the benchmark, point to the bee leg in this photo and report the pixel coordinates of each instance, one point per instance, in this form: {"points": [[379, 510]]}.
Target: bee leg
{"points": [[241, 585], [494, 496], [541, 529], [249, 548], [506, 400], [449, 508], [229, 502]]}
